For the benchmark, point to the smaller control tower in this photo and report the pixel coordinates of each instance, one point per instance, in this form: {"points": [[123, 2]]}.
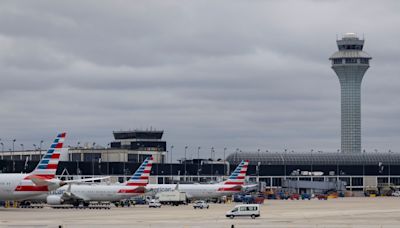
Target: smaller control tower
{"points": [[350, 64]]}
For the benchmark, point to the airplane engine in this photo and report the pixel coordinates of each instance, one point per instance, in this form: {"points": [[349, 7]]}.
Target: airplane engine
{"points": [[54, 200]]}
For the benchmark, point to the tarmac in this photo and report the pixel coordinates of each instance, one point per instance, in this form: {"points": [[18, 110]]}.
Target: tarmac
{"points": [[382, 212]]}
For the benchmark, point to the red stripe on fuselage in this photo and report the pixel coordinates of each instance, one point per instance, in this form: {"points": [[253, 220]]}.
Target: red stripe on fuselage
{"points": [[146, 171], [234, 189], [41, 176], [135, 184], [33, 188], [232, 182], [132, 191]]}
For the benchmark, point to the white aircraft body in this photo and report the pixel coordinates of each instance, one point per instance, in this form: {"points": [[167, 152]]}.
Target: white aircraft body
{"points": [[76, 194], [233, 185], [18, 186]]}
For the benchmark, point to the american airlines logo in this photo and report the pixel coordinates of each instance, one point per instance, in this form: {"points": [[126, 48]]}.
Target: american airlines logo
{"points": [[157, 190]]}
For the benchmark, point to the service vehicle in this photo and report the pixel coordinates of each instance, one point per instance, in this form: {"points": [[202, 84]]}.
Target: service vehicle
{"points": [[252, 210], [173, 198], [396, 194], [154, 203], [201, 204]]}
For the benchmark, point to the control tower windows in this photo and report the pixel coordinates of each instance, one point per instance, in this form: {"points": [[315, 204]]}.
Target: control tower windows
{"points": [[351, 60], [337, 61]]}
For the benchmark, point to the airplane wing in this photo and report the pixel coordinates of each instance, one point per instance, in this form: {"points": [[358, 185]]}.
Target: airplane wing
{"points": [[37, 180], [250, 188], [84, 181], [237, 187]]}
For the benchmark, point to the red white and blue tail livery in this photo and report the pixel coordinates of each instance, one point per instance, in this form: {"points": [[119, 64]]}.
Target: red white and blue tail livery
{"points": [[45, 170], [236, 180], [47, 167], [142, 174]]}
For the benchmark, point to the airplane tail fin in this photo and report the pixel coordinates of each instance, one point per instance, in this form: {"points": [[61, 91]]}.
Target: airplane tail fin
{"points": [[238, 176], [47, 167], [141, 176]]}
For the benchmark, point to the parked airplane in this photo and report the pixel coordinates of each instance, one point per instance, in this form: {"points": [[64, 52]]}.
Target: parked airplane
{"points": [[76, 194], [233, 185], [18, 186]]}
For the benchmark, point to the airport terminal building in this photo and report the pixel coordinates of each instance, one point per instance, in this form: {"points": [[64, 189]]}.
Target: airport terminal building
{"points": [[360, 171]]}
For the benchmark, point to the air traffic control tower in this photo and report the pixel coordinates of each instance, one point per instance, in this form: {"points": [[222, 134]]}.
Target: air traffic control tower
{"points": [[350, 64]]}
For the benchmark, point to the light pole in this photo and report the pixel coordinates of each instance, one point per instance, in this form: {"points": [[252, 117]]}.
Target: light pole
{"points": [[2, 150], [13, 149], [108, 161], [172, 147], [224, 160], [170, 165], [22, 146], [40, 149], [390, 154], [198, 153], [198, 162], [185, 160], [212, 161]]}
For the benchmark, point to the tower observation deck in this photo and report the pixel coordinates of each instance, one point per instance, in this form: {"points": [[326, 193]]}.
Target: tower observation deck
{"points": [[350, 64]]}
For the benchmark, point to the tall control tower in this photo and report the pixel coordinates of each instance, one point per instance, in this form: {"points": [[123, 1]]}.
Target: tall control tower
{"points": [[350, 64]]}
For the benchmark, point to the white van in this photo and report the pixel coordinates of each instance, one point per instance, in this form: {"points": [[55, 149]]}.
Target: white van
{"points": [[252, 210]]}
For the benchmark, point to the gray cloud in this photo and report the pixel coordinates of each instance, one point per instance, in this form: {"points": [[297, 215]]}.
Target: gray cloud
{"points": [[242, 74]]}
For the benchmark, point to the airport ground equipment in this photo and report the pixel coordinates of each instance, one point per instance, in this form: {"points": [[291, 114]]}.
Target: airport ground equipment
{"points": [[81, 207], [174, 197]]}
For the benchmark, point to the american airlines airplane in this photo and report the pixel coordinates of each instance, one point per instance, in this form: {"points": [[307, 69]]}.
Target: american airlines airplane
{"points": [[18, 186], [233, 185], [76, 194]]}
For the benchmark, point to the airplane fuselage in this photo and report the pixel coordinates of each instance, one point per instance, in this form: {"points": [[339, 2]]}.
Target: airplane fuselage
{"points": [[193, 191], [93, 192]]}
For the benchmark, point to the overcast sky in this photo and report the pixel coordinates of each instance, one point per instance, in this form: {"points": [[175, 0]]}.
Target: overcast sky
{"points": [[235, 74]]}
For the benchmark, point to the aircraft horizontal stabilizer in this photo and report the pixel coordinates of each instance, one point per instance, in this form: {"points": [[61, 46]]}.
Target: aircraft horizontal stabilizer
{"points": [[235, 188], [44, 182]]}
